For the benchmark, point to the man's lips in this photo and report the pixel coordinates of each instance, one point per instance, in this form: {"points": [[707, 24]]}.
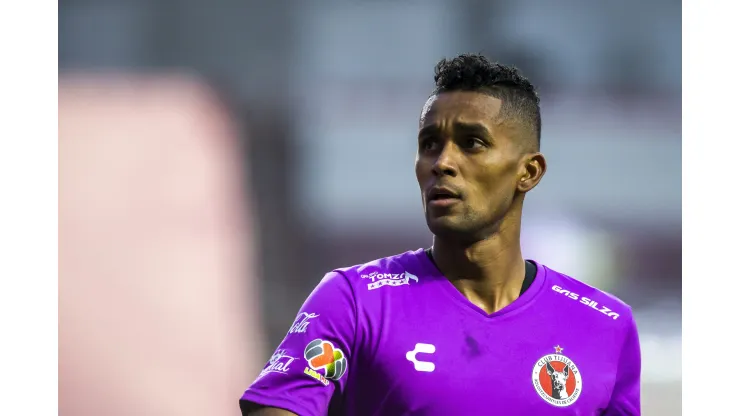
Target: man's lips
{"points": [[441, 196]]}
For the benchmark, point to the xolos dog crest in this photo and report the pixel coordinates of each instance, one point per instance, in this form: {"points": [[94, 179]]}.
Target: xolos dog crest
{"points": [[557, 379]]}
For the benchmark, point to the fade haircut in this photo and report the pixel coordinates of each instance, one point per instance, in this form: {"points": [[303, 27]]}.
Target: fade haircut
{"points": [[473, 72]]}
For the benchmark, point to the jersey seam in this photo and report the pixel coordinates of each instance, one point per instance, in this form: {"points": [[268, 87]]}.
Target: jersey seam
{"points": [[623, 345], [357, 314]]}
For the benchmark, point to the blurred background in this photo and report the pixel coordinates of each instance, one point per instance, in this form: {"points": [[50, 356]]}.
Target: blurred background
{"points": [[315, 105]]}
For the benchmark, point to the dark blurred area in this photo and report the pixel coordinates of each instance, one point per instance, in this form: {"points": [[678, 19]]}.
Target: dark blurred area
{"points": [[329, 93]]}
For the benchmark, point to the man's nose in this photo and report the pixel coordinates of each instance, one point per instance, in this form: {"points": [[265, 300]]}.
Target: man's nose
{"points": [[445, 163]]}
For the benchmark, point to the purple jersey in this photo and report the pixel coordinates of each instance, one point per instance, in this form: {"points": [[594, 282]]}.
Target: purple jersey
{"points": [[395, 337]]}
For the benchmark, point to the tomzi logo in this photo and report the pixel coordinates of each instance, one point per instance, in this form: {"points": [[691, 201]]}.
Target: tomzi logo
{"points": [[586, 301], [379, 280]]}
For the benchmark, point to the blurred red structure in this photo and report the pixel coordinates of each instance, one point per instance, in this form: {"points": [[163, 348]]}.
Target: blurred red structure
{"points": [[157, 304]]}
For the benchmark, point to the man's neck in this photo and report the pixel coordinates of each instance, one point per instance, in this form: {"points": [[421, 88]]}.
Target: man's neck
{"points": [[488, 272]]}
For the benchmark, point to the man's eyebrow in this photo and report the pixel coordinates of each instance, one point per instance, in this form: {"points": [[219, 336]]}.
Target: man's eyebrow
{"points": [[473, 128], [428, 130], [458, 126]]}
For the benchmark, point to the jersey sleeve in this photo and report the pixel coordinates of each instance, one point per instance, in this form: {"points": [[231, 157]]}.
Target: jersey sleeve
{"points": [[310, 366], [625, 399]]}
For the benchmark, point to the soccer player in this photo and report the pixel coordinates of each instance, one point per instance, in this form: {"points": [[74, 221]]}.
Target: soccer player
{"points": [[467, 327]]}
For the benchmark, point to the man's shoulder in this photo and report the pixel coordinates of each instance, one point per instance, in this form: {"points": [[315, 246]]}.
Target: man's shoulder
{"points": [[570, 288], [395, 270], [383, 263]]}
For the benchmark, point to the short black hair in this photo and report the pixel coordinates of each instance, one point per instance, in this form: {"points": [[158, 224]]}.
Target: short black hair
{"points": [[474, 72]]}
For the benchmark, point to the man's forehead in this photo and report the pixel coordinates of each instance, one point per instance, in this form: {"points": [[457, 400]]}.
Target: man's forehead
{"points": [[469, 106]]}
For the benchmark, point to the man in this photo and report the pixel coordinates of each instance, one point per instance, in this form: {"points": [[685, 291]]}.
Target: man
{"points": [[467, 327]]}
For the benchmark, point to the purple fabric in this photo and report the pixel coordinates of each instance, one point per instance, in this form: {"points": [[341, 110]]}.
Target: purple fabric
{"points": [[394, 337]]}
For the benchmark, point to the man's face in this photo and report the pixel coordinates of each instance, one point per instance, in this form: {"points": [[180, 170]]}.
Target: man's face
{"points": [[469, 165]]}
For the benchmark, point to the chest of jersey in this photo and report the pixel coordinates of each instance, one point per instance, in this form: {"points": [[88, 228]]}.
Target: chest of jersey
{"points": [[438, 358]]}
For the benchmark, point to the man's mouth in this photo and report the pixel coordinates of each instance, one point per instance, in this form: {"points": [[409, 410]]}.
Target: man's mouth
{"points": [[442, 197]]}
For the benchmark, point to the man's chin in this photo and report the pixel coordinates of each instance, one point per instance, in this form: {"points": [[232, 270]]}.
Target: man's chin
{"points": [[449, 227]]}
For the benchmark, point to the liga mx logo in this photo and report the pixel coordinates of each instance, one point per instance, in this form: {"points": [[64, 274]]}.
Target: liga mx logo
{"points": [[323, 357], [557, 379]]}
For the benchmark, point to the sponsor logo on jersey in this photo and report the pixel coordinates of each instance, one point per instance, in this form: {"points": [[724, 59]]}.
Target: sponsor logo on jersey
{"points": [[301, 322], [586, 301], [279, 363], [556, 379], [378, 280]]}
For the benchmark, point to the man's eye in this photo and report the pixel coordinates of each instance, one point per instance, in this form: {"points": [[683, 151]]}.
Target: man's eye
{"points": [[472, 143], [428, 144]]}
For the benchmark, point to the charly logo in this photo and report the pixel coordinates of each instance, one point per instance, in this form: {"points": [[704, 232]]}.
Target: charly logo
{"points": [[419, 365], [301, 322], [325, 361], [388, 279], [557, 379], [279, 363]]}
